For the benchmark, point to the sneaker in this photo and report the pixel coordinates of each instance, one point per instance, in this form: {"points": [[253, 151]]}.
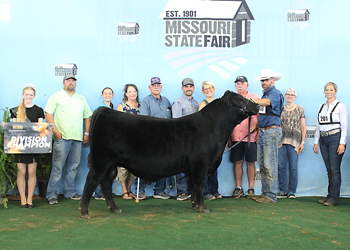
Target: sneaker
{"points": [[237, 193], [251, 193], [210, 197], [281, 195], [218, 196], [76, 197], [162, 195], [291, 195], [100, 198], [53, 201], [182, 197], [142, 196], [264, 199]]}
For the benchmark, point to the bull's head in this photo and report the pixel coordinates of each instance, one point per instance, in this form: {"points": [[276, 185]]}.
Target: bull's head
{"points": [[237, 101]]}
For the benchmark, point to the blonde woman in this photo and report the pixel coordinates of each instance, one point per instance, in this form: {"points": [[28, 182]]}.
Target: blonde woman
{"points": [[210, 191], [27, 112], [331, 133]]}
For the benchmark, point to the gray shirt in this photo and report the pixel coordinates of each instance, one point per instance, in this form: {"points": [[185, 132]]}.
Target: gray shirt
{"points": [[184, 106], [151, 106]]}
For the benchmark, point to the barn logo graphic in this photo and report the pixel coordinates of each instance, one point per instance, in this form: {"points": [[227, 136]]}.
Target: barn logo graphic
{"points": [[204, 33], [298, 15], [128, 28], [63, 68], [310, 130]]}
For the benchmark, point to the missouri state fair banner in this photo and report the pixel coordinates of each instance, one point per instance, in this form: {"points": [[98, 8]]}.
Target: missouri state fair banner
{"points": [[27, 138]]}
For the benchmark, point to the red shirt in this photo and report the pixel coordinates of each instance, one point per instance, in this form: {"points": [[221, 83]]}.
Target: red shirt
{"points": [[241, 130]]}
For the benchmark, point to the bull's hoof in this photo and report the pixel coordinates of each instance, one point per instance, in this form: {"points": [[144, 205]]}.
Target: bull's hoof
{"points": [[195, 207], [85, 216], [117, 211]]}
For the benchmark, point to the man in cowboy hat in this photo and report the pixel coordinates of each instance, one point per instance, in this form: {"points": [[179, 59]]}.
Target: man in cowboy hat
{"points": [[269, 123]]}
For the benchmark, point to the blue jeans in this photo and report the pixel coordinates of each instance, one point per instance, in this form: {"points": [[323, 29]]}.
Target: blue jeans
{"points": [[211, 185], [98, 192], [287, 153], [182, 184], [65, 153], [329, 146], [158, 188], [267, 160]]}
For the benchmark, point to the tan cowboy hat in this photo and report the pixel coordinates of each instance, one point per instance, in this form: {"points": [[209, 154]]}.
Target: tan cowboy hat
{"points": [[267, 74]]}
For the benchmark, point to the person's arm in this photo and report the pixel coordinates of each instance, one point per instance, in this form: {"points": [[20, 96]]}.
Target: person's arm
{"points": [[120, 107], [201, 105], [145, 108], [57, 134], [87, 129], [262, 102], [303, 135], [177, 110]]}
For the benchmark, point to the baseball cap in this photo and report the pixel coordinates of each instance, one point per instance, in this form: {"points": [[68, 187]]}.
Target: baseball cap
{"points": [[241, 79], [155, 80], [69, 76], [187, 81]]}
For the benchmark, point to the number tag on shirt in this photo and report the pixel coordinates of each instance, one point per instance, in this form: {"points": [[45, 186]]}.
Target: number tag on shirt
{"points": [[324, 118], [262, 110]]}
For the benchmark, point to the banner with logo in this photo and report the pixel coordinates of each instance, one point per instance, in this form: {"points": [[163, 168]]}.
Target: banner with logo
{"points": [[27, 138]]}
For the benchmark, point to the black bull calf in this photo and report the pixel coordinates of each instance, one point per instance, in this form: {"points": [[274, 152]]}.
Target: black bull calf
{"points": [[153, 148]]}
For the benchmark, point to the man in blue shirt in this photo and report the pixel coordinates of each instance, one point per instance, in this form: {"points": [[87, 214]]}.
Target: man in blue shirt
{"points": [[183, 106], [159, 106], [269, 123]]}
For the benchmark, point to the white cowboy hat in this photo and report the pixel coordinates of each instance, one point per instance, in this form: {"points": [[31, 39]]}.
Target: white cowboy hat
{"points": [[267, 74]]}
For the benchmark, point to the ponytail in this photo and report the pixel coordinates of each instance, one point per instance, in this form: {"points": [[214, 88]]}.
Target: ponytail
{"points": [[21, 112]]}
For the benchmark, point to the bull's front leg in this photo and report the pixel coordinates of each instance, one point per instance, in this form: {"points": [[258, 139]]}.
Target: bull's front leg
{"points": [[106, 186], [197, 180]]}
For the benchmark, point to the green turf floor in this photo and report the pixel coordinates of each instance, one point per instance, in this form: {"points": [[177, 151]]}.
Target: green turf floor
{"points": [[300, 223]]}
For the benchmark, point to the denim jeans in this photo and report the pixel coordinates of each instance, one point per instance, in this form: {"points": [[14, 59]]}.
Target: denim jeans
{"points": [[287, 153], [158, 188], [267, 160], [182, 184], [329, 146], [98, 192], [211, 185], [65, 153]]}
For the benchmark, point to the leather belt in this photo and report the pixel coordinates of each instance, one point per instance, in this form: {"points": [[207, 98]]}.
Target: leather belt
{"points": [[331, 132], [272, 126]]}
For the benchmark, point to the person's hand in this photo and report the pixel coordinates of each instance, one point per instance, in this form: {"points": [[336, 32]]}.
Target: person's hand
{"points": [[57, 134], [316, 148], [341, 149], [3, 124], [300, 148], [85, 139]]}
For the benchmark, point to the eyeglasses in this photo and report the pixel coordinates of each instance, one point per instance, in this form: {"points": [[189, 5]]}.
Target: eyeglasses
{"points": [[210, 88], [289, 95], [265, 80]]}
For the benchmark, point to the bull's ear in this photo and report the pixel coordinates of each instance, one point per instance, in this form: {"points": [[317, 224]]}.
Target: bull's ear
{"points": [[227, 98]]}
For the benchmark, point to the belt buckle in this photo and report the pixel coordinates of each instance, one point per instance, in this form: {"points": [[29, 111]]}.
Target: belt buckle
{"points": [[324, 134]]}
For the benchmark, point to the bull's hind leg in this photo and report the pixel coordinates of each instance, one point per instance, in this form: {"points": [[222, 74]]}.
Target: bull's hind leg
{"points": [[89, 188], [106, 186], [197, 184]]}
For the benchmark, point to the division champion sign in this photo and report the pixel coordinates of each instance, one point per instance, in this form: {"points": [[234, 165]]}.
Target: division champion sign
{"points": [[27, 138]]}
